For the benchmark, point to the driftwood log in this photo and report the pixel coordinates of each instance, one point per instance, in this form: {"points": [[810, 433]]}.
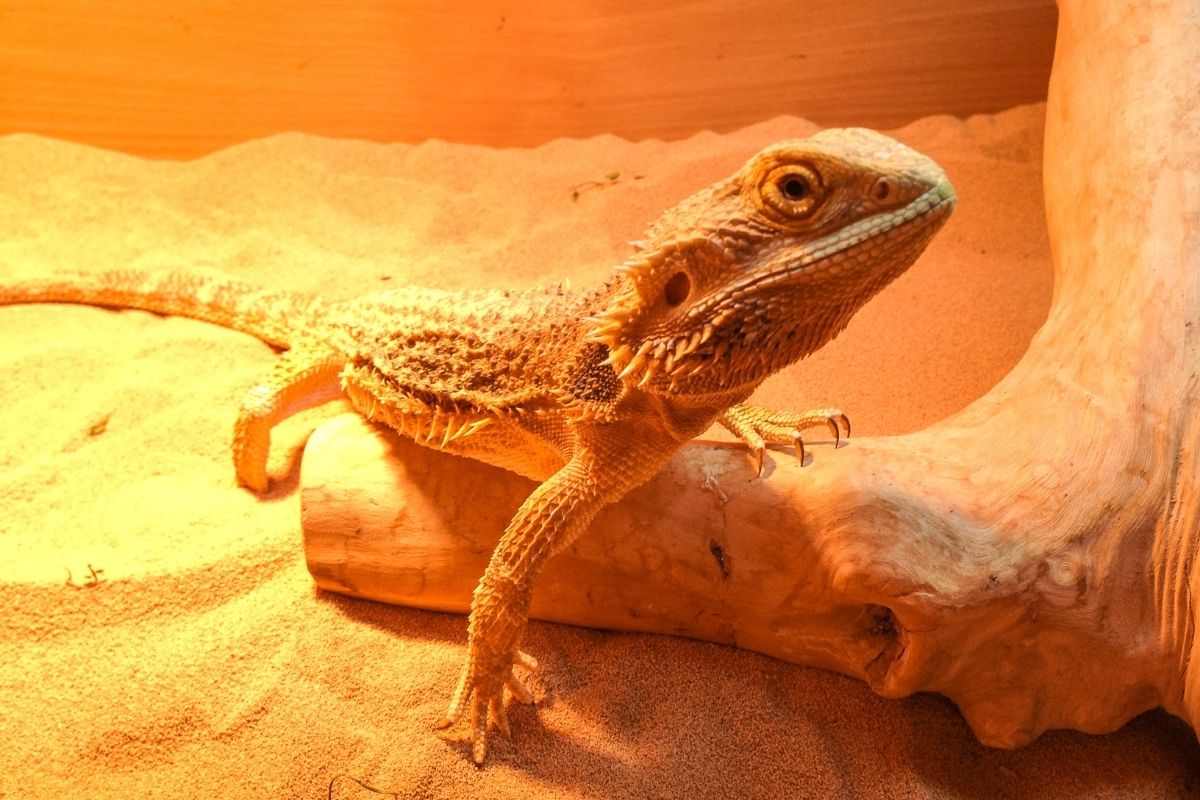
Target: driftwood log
{"points": [[1030, 557]]}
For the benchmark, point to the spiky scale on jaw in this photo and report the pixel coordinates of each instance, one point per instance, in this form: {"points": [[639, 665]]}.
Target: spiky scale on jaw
{"points": [[587, 392]]}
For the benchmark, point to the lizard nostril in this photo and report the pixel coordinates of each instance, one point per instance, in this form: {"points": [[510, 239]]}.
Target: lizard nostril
{"points": [[677, 289]]}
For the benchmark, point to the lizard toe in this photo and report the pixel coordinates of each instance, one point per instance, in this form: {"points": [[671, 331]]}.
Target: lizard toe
{"points": [[479, 729], [519, 690]]}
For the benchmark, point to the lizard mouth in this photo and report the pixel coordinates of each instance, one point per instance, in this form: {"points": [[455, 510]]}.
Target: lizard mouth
{"points": [[780, 314]]}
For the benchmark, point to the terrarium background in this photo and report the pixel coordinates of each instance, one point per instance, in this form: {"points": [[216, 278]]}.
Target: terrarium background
{"points": [[180, 79]]}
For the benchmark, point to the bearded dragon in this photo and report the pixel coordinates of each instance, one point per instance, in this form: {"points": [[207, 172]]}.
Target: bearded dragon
{"points": [[587, 392]]}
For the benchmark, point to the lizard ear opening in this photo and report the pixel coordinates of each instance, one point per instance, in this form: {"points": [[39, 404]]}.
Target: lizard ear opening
{"points": [[677, 289], [883, 189]]}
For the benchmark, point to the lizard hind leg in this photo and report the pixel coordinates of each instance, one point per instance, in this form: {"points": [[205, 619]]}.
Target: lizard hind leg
{"points": [[758, 427], [302, 377]]}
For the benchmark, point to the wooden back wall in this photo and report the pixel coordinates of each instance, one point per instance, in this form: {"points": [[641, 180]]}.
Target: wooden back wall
{"points": [[182, 78]]}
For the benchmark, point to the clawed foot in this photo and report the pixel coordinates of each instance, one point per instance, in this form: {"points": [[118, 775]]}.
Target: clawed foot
{"points": [[483, 690], [758, 427]]}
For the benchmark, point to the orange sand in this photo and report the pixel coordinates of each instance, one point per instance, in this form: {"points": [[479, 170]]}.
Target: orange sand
{"points": [[206, 665]]}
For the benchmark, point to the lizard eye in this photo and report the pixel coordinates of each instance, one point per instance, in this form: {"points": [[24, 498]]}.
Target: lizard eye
{"points": [[792, 190]]}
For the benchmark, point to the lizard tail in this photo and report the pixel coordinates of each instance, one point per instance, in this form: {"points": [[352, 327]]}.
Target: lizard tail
{"points": [[273, 316]]}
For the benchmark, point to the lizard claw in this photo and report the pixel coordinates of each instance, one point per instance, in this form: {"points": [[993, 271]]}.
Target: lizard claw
{"points": [[798, 443], [758, 427], [836, 422]]}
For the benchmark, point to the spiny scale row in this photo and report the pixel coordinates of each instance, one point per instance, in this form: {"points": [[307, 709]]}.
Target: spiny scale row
{"points": [[438, 429], [428, 425], [667, 357]]}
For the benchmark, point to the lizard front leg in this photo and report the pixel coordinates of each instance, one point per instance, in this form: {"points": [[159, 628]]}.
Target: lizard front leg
{"points": [[757, 427], [551, 518]]}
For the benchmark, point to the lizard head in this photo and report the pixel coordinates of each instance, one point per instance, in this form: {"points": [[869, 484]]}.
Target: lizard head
{"points": [[765, 267]]}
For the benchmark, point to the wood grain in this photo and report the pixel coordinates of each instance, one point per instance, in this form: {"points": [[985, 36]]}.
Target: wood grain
{"points": [[176, 80]]}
